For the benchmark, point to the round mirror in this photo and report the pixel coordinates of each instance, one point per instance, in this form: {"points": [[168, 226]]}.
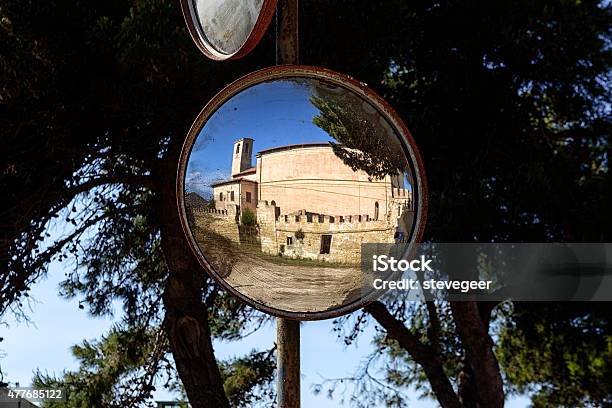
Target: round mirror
{"points": [[284, 177], [224, 29]]}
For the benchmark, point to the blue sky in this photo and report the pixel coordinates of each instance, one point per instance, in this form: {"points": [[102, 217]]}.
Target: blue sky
{"points": [[272, 113]]}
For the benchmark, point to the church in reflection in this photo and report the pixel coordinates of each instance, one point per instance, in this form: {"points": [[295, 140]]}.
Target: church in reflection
{"points": [[303, 201]]}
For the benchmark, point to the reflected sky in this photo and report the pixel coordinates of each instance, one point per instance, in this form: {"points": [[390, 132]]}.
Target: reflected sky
{"points": [[272, 113]]}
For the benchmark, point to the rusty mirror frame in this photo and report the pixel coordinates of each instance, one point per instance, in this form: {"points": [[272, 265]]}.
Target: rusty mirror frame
{"points": [[207, 48], [288, 72]]}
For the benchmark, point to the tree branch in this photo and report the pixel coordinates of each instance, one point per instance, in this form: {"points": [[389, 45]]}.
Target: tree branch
{"points": [[433, 331], [20, 279], [421, 353]]}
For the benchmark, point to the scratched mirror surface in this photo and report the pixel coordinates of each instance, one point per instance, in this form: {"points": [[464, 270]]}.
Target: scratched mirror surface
{"points": [[227, 24], [283, 184]]}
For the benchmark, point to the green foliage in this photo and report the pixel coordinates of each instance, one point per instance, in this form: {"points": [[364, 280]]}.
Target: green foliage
{"points": [[247, 380], [562, 353], [118, 370], [299, 234], [247, 217], [515, 133], [230, 318], [362, 143]]}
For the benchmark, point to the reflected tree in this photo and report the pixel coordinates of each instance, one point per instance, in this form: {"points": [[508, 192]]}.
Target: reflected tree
{"points": [[363, 144]]}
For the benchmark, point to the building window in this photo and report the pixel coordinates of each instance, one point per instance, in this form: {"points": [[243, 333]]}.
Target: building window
{"points": [[325, 244], [376, 211], [332, 220], [308, 217], [321, 219], [289, 241], [237, 149], [231, 196], [220, 196], [248, 196]]}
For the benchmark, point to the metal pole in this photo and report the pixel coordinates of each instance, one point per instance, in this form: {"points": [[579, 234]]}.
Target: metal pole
{"points": [[287, 331], [288, 363], [287, 42]]}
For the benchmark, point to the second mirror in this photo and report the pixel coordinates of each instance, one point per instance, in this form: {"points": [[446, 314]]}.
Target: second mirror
{"points": [[227, 29]]}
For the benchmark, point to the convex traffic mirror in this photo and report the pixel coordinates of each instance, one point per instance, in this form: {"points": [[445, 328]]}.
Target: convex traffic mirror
{"points": [[227, 29], [284, 175]]}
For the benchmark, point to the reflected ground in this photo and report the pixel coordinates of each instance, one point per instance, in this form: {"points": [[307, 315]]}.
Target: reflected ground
{"points": [[329, 175], [296, 285]]}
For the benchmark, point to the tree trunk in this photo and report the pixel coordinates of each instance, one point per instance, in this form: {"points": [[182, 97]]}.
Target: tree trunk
{"points": [[480, 382], [186, 320], [481, 375], [483, 366]]}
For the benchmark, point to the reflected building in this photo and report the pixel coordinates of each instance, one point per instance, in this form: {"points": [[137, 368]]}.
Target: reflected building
{"points": [[303, 201]]}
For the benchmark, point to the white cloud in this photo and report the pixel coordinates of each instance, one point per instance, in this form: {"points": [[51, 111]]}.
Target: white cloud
{"points": [[201, 181]]}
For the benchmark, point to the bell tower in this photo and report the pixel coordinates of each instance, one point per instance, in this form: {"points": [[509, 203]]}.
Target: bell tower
{"points": [[241, 159]]}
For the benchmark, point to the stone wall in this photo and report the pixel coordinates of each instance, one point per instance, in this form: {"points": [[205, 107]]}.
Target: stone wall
{"points": [[266, 221], [222, 222], [347, 233]]}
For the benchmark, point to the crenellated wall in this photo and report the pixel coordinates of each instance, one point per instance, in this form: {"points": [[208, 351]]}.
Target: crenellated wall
{"points": [[347, 233], [222, 222]]}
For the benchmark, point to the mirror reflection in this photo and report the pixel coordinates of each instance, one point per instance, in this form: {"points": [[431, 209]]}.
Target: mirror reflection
{"points": [[284, 183], [227, 24]]}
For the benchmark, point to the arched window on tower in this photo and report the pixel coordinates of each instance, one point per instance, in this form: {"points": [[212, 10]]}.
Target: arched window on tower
{"points": [[376, 211], [237, 149]]}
